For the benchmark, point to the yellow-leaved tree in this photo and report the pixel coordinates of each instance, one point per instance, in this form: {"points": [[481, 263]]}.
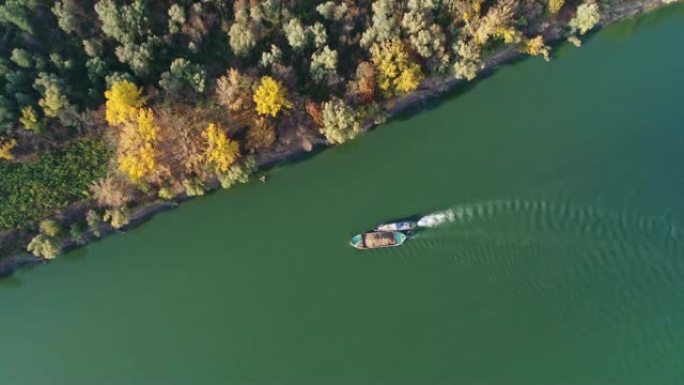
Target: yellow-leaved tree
{"points": [[396, 72], [270, 97], [535, 47], [123, 101], [137, 150], [221, 152], [6, 147], [555, 6]]}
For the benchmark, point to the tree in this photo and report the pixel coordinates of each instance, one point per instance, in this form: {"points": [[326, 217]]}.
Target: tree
{"points": [[53, 92], [50, 228], [297, 36], [93, 219], [123, 101], [261, 135], [323, 64], [123, 23], [397, 73], [44, 247], [469, 60], [274, 56], [137, 151], [238, 173], [365, 75], [242, 38], [536, 47], [340, 122], [319, 34], [221, 152], [139, 57], [332, 11], [177, 17], [193, 187], [234, 90], [555, 6], [30, 120], [111, 191], [69, 15], [17, 12], [118, 217], [6, 147], [384, 24], [585, 19], [270, 97], [22, 58], [183, 74]]}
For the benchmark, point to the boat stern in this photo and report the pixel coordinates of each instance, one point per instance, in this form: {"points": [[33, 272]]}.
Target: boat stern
{"points": [[357, 241]]}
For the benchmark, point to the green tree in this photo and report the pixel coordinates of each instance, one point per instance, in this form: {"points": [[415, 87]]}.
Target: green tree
{"points": [[587, 16], [340, 122], [17, 13], [22, 58], [53, 92], [323, 64], [297, 36], [183, 75], [70, 15], [30, 120], [123, 23]]}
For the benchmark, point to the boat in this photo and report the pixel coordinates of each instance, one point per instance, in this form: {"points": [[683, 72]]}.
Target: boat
{"points": [[378, 239], [397, 226]]}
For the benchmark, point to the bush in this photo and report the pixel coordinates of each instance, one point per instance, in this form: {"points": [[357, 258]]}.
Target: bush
{"points": [[118, 218], [50, 228], [44, 247], [94, 220], [238, 173]]}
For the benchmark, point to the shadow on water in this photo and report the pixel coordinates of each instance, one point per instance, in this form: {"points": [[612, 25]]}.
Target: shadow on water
{"points": [[438, 99], [627, 28]]}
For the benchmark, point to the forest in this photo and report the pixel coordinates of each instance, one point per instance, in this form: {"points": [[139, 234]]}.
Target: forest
{"points": [[116, 102]]}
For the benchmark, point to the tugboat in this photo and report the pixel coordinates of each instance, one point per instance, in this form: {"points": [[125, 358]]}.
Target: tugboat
{"points": [[397, 226], [378, 239]]}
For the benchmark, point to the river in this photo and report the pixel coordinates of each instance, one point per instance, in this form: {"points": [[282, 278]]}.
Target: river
{"points": [[564, 262]]}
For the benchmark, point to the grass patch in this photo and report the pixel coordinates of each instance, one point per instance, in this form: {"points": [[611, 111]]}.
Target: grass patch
{"points": [[32, 191]]}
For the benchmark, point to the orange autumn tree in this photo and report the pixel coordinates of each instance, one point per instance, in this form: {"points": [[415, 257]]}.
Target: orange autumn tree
{"points": [[221, 152]]}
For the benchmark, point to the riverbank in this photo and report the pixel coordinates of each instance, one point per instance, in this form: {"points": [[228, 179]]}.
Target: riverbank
{"points": [[429, 89]]}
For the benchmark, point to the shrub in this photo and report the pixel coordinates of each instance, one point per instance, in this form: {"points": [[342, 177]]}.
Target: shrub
{"points": [[93, 219], [193, 187], [44, 247], [118, 218], [50, 228]]}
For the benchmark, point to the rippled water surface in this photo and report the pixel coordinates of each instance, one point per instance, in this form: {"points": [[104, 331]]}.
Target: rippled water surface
{"points": [[558, 257]]}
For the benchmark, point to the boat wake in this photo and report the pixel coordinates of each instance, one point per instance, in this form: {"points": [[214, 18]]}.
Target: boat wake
{"points": [[437, 218]]}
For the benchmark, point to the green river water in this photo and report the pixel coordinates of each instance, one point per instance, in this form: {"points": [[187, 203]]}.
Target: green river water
{"points": [[564, 262]]}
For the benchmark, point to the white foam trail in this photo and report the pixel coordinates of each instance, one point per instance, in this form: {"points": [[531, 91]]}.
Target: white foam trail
{"points": [[436, 219]]}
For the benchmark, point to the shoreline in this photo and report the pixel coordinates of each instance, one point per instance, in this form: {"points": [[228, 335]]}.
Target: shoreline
{"points": [[430, 89]]}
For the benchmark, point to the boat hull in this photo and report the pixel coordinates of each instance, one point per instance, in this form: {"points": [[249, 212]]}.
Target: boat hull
{"points": [[397, 226], [377, 240]]}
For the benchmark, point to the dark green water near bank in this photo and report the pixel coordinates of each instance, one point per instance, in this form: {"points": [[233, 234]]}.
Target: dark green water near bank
{"points": [[564, 264]]}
